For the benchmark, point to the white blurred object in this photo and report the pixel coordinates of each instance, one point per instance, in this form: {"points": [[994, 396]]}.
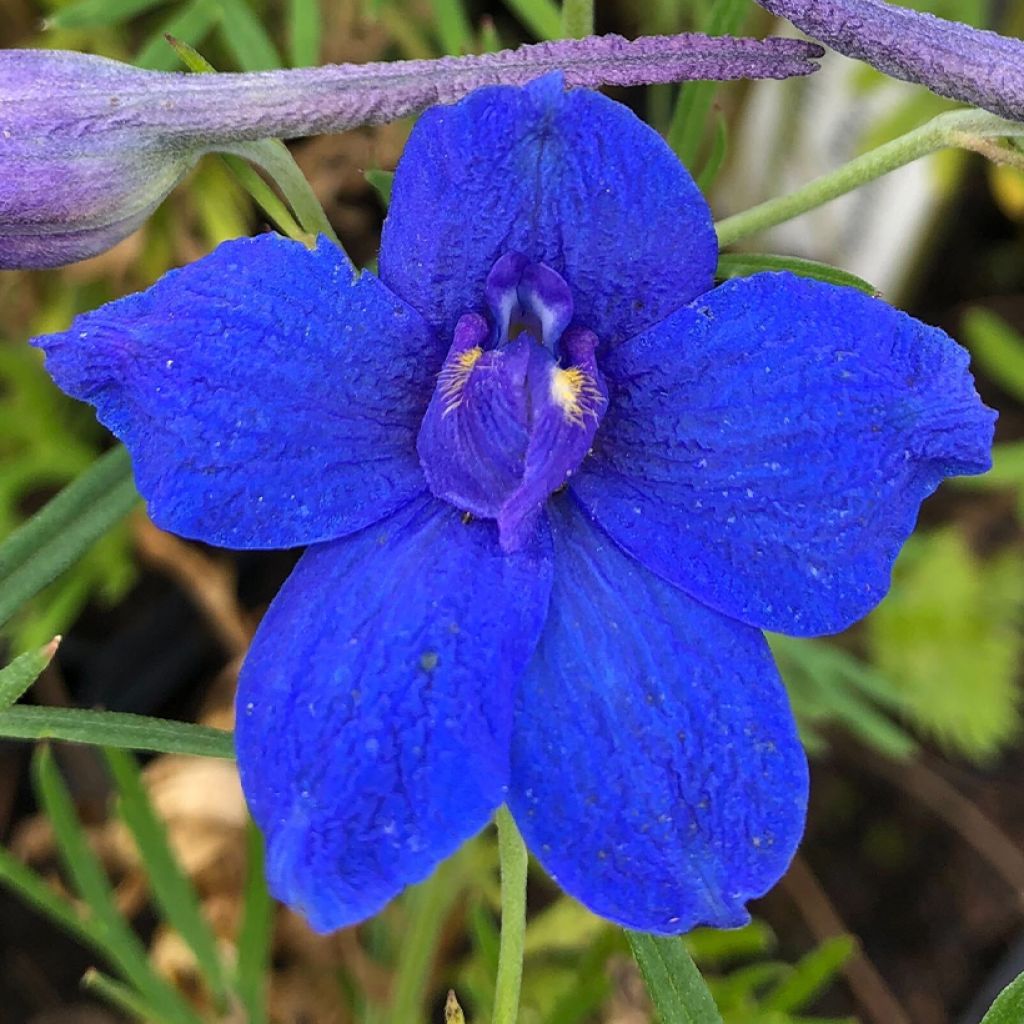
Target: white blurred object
{"points": [[789, 133]]}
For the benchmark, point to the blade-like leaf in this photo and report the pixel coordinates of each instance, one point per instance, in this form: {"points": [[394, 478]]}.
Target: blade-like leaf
{"points": [[115, 729], [244, 35], [542, 17], [172, 891], [17, 677], [92, 885], [676, 987], [304, 31], [743, 264], [255, 933]]}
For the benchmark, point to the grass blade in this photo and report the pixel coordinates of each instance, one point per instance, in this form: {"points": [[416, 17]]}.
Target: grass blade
{"points": [[99, 13], [1009, 1005], [17, 677], [453, 29], [673, 981], [304, 31], [172, 891], [743, 264], [191, 24], [542, 17], [115, 729], [255, 933], [120, 996], [244, 35], [87, 875]]}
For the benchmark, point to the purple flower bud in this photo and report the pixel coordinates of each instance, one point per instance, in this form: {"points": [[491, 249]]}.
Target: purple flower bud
{"points": [[89, 147], [952, 59]]}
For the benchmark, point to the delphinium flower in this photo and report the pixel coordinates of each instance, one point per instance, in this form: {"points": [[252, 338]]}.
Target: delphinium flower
{"points": [[89, 147], [950, 58], [554, 485]]}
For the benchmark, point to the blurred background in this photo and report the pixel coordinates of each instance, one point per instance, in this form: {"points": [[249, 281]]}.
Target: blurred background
{"points": [[906, 903]]}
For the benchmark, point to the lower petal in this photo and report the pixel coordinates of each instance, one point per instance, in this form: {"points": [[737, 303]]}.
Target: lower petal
{"points": [[656, 770], [375, 705]]}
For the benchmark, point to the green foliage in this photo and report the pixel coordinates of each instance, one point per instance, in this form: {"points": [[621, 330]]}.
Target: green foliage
{"points": [[949, 638], [828, 686], [1009, 1005], [17, 677], [743, 264], [676, 986], [998, 349], [46, 441]]}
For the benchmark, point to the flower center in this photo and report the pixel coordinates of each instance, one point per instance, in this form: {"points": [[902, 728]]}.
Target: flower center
{"points": [[517, 401]]}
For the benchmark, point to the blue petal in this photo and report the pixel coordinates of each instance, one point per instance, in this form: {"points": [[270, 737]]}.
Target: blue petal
{"points": [[767, 449], [656, 770], [375, 705], [571, 179], [269, 395]]}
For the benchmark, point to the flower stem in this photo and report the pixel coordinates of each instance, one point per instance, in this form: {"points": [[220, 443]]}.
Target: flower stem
{"points": [[513, 859], [963, 129], [577, 18]]}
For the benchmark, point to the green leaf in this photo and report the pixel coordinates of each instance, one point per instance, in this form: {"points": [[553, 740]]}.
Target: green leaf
{"points": [[381, 182], [65, 529], [118, 995], [676, 987], [304, 31], [172, 891], [86, 873], [17, 677], [255, 933], [115, 729], [244, 35], [998, 348], [811, 975], [99, 13], [453, 28], [190, 23], [719, 149], [743, 264], [689, 119], [577, 18], [542, 17], [1009, 1005], [948, 636]]}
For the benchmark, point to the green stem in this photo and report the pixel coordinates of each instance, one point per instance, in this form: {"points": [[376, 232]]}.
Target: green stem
{"points": [[577, 18], [963, 129], [513, 859], [274, 157]]}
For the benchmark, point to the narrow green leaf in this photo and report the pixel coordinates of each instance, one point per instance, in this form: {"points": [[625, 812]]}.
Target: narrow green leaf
{"points": [[689, 119], [541, 17], [490, 40], [743, 264], [64, 549], [577, 18], [381, 182], [998, 348], [17, 677], [106, 473], [453, 28], [304, 31], [265, 197], [190, 24], [810, 976], [119, 996], [719, 149], [98, 13], [255, 933], [676, 987], [244, 35], [85, 871], [1009, 1005], [172, 891], [115, 729]]}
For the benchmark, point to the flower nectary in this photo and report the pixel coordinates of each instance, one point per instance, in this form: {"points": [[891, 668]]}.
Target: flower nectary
{"points": [[517, 401]]}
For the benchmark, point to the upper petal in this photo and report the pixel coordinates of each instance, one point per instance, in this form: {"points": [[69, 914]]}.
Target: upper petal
{"points": [[375, 705], [767, 448], [270, 396], [656, 770], [570, 179]]}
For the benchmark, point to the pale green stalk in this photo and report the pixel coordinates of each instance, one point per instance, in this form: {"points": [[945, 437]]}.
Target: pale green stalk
{"points": [[513, 859]]}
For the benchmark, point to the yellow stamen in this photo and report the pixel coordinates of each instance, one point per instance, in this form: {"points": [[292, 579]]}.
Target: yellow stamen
{"points": [[452, 379], [576, 393]]}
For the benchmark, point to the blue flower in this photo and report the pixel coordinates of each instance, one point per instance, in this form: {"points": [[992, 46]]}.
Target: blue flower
{"points": [[553, 487]]}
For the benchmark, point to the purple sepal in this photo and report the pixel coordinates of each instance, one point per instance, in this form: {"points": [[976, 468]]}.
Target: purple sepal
{"points": [[473, 439], [567, 404], [950, 58]]}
